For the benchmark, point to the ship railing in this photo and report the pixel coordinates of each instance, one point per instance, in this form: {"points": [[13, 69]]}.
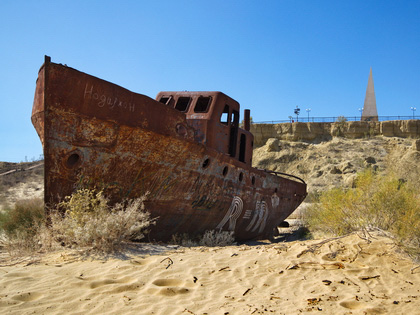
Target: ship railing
{"points": [[284, 174]]}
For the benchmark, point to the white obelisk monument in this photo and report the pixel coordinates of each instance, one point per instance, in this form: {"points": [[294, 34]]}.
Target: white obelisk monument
{"points": [[369, 109]]}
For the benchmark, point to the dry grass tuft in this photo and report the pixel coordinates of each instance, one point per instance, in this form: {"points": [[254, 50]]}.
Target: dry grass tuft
{"points": [[377, 201], [20, 226]]}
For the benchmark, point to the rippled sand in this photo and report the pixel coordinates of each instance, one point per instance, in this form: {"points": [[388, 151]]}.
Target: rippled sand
{"points": [[347, 275]]}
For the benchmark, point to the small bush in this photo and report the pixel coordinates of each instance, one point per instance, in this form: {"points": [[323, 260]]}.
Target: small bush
{"points": [[210, 238], [377, 201], [26, 216], [341, 119], [340, 126], [89, 221], [183, 240], [217, 238], [21, 224]]}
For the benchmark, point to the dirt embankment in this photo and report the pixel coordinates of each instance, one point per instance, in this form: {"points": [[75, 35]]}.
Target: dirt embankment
{"points": [[335, 163], [20, 181]]}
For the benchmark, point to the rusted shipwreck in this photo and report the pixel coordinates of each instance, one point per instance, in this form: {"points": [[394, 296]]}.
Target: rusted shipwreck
{"points": [[185, 148]]}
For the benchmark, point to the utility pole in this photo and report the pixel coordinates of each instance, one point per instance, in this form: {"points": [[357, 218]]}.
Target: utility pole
{"points": [[297, 112]]}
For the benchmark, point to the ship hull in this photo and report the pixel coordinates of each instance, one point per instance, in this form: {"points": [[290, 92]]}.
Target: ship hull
{"points": [[97, 134]]}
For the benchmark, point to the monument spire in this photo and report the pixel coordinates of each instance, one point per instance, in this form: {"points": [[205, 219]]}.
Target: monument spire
{"points": [[369, 109]]}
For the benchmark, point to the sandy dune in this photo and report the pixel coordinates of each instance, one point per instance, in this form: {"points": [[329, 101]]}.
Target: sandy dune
{"points": [[337, 276]]}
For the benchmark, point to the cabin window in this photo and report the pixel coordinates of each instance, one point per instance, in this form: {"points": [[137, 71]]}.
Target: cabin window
{"points": [[233, 137], [183, 103], [202, 105], [235, 118], [224, 118], [242, 148], [165, 100]]}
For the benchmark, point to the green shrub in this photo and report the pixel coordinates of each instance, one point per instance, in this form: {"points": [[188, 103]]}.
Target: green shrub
{"points": [[89, 221], [26, 216], [20, 225], [340, 125], [377, 201]]}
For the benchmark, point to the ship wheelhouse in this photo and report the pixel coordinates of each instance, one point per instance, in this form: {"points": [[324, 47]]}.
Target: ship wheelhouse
{"points": [[215, 118]]}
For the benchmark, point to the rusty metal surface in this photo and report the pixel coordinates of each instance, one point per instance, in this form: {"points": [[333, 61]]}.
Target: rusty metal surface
{"points": [[196, 167]]}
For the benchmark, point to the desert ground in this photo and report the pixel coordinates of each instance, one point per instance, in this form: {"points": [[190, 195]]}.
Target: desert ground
{"points": [[357, 274]]}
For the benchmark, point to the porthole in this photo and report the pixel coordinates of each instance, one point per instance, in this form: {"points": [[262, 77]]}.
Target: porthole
{"points": [[206, 163], [253, 180], [225, 170], [241, 176], [73, 160]]}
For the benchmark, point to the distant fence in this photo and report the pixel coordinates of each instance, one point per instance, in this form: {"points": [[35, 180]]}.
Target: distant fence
{"points": [[333, 119]]}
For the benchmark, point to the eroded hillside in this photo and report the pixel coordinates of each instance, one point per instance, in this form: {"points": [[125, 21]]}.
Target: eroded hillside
{"points": [[335, 163], [20, 181]]}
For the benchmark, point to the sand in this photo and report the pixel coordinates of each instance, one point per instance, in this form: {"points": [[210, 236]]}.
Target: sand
{"points": [[347, 275]]}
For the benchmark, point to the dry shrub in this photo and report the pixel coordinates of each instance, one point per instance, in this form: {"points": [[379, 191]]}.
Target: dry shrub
{"points": [[377, 202], [210, 238], [183, 240], [89, 221], [217, 238], [20, 226], [83, 219]]}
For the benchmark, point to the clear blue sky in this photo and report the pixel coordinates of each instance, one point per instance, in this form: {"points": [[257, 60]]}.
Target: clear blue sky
{"points": [[270, 56]]}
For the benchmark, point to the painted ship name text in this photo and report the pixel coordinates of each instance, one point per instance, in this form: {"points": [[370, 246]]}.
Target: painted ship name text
{"points": [[104, 100]]}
